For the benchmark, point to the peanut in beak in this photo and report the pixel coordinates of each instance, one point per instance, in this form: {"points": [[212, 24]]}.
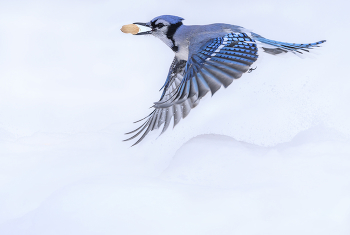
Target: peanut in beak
{"points": [[130, 28]]}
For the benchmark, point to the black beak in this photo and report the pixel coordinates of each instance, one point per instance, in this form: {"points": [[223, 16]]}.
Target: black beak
{"points": [[144, 32]]}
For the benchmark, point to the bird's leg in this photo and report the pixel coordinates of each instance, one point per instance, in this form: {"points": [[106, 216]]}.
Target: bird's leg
{"points": [[251, 69]]}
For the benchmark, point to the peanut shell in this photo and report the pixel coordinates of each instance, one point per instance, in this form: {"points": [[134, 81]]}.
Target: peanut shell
{"points": [[130, 28]]}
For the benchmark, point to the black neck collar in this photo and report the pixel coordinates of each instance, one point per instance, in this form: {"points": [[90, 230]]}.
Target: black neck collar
{"points": [[170, 34]]}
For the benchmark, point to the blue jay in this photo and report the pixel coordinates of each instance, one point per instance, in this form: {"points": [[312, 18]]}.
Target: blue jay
{"points": [[206, 58]]}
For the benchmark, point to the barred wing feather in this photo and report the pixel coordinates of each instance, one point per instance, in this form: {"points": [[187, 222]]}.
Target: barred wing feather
{"points": [[217, 63]]}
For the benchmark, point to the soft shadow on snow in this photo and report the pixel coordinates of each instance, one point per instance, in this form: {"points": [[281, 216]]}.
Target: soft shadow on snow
{"points": [[212, 184]]}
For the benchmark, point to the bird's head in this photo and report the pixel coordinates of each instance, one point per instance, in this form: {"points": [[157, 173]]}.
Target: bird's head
{"points": [[161, 25]]}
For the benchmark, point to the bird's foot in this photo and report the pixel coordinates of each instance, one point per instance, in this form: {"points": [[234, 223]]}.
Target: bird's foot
{"points": [[251, 69]]}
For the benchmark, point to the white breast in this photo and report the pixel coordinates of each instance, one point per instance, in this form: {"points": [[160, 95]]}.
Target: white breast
{"points": [[182, 53]]}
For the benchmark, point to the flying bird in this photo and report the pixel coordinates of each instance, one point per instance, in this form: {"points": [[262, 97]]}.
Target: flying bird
{"points": [[206, 58]]}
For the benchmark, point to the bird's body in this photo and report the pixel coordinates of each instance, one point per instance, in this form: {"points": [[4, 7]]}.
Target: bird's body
{"points": [[190, 38], [206, 58]]}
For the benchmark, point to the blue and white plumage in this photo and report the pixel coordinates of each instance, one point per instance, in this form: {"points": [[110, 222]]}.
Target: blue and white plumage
{"points": [[206, 58]]}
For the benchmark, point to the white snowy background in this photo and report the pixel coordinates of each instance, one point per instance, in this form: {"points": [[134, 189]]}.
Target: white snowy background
{"points": [[268, 155]]}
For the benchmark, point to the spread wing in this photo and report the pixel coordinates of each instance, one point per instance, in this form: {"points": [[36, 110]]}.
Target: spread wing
{"points": [[216, 64]]}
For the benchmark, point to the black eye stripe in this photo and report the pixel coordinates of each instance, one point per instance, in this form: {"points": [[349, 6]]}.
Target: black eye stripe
{"points": [[160, 25], [153, 24]]}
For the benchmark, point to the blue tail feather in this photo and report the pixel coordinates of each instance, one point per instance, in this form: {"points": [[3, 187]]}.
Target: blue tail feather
{"points": [[283, 47]]}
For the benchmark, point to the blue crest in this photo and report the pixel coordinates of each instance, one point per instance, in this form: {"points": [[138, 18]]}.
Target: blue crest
{"points": [[169, 18]]}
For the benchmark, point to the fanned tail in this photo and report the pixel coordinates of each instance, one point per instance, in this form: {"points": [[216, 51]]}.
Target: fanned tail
{"points": [[284, 47]]}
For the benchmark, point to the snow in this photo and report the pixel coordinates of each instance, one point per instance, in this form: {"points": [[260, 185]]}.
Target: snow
{"points": [[268, 155]]}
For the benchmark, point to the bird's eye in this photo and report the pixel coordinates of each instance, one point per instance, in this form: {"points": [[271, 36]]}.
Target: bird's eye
{"points": [[160, 25]]}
